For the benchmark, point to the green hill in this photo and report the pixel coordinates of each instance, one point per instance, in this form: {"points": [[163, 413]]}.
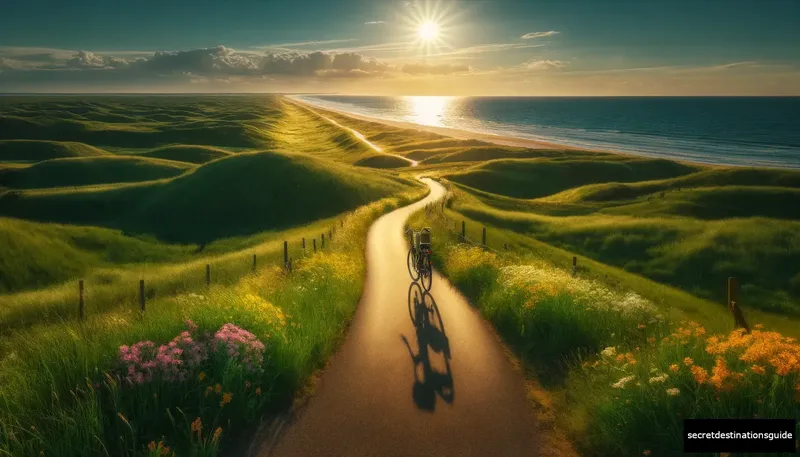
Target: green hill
{"points": [[187, 153], [81, 171], [35, 255], [37, 150], [234, 196], [533, 178], [382, 161]]}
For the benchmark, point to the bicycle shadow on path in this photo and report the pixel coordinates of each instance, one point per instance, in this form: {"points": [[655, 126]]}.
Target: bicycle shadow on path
{"points": [[430, 380]]}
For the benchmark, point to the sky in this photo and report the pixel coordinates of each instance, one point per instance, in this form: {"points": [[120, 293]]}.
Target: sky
{"points": [[403, 47]]}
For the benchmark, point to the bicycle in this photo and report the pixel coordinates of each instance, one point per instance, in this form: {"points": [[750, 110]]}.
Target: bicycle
{"points": [[419, 257]]}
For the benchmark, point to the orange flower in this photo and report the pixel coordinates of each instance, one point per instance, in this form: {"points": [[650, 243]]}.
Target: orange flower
{"points": [[641, 326], [758, 369], [258, 390], [208, 390], [651, 340], [674, 368], [202, 375], [218, 388], [152, 446], [700, 374], [226, 398], [688, 361], [217, 433], [646, 452], [197, 426]]}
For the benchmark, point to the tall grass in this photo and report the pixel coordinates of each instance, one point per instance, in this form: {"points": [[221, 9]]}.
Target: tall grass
{"points": [[624, 376], [64, 388]]}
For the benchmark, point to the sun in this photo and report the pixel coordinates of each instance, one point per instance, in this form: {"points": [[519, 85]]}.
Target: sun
{"points": [[428, 31]]}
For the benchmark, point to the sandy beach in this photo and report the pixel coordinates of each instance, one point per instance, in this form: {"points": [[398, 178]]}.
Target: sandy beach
{"points": [[446, 131]]}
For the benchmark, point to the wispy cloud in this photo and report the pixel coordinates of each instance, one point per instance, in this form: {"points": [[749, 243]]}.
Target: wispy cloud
{"points": [[374, 22], [378, 47], [484, 48], [543, 64], [532, 35], [302, 44]]}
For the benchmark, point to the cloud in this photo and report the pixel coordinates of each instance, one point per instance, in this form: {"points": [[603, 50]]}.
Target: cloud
{"points": [[532, 35], [542, 64], [484, 48], [374, 22], [433, 69], [300, 44]]}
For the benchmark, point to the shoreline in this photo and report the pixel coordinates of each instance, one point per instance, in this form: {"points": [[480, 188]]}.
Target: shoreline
{"points": [[452, 132], [523, 142]]}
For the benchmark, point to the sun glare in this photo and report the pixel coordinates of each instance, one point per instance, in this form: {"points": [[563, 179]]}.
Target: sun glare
{"points": [[428, 110], [428, 31]]}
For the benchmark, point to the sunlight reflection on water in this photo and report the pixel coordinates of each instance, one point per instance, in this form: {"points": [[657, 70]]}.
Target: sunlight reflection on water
{"points": [[428, 110]]}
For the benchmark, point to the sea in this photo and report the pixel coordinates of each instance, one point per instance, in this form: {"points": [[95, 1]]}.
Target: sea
{"points": [[744, 131]]}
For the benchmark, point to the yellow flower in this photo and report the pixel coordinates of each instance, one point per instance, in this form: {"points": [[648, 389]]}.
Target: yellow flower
{"points": [[688, 361], [674, 368], [202, 375]]}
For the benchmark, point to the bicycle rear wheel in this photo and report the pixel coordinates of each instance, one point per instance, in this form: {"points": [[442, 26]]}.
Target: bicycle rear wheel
{"points": [[412, 264], [427, 272]]}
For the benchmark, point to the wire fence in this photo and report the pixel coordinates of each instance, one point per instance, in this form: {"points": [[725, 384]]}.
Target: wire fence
{"points": [[293, 250], [435, 212]]}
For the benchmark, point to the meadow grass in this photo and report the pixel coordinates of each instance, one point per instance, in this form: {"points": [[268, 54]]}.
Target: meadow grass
{"points": [[692, 254], [69, 389], [622, 372]]}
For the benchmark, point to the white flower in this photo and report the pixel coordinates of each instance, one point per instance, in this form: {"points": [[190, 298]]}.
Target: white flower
{"points": [[622, 381], [610, 351], [661, 378], [673, 392]]}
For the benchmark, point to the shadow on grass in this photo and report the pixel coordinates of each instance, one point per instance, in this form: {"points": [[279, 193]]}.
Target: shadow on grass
{"points": [[429, 381]]}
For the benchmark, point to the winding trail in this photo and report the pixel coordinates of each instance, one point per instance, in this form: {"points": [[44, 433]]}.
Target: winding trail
{"points": [[442, 386], [369, 143]]}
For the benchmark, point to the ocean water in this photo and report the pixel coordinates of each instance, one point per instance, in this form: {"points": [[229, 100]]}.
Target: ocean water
{"points": [[747, 131]]}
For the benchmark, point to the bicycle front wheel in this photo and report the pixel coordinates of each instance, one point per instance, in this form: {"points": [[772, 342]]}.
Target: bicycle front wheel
{"points": [[427, 272], [412, 264]]}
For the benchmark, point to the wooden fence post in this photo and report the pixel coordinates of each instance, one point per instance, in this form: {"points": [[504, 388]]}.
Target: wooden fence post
{"points": [[314, 241], [574, 266], [483, 237], [734, 305], [464, 230], [208, 274], [141, 295], [323, 242], [285, 254], [81, 300], [304, 244]]}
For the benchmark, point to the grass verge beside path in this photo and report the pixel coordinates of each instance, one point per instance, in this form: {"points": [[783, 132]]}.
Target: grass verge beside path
{"points": [[621, 373], [192, 370]]}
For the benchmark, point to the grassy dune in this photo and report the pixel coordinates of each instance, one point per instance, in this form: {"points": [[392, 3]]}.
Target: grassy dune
{"points": [[243, 194], [36, 150], [186, 153], [81, 171]]}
